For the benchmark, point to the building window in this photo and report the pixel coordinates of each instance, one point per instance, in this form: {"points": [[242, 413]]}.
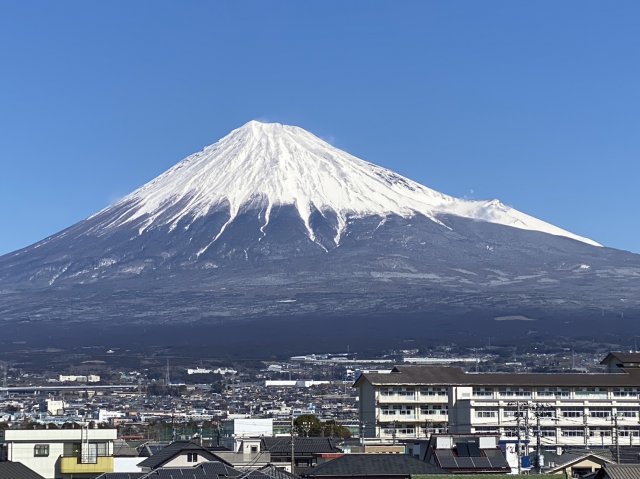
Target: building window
{"points": [[433, 392], [41, 450], [601, 413], [254, 449], [192, 457], [572, 432], [625, 392], [627, 412], [483, 392], [483, 412], [487, 430], [572, 412]]}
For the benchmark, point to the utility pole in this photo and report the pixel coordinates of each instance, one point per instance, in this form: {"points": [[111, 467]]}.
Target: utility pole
{"points": [[526, 428], [395, 425], [614, 419], [538, 462], [293, 447], [518, 445]]}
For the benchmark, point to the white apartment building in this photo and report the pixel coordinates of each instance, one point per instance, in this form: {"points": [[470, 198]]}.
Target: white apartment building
{"points": [[562, 409], [60, 453]]}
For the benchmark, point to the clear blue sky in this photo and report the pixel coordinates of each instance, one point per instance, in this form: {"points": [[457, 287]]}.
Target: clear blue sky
{"points": [[534, 103]]}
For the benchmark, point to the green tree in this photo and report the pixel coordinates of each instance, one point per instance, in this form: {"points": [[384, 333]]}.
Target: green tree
{"points": [[308, 425]]}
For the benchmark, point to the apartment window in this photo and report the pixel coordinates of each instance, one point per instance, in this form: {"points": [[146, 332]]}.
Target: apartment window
{"points": [[548, 432], [629, 432], [521, 393], [600, 413], [546, 393], [433, 392], [485, 412], [572, 432], [627, 412], [41, 450], [591, 392], [572, 412], [625, 392], [599, 432], [487, 430], [483, 392], [406, 393], [192, 457]]}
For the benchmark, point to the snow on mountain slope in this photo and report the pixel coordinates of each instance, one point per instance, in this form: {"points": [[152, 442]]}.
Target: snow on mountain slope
{"points": [[268, 164]]}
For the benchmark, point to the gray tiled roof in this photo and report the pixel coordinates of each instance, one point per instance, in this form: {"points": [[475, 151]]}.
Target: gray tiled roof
{"points": [[623, 357], [206, 470], [276, 472], [374, 465], [16, 470], [563, 460], [446, 375], [302, 445], [172, 450]]}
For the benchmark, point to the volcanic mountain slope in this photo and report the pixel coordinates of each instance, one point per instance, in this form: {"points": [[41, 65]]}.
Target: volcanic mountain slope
{"points": [[271, 221]]}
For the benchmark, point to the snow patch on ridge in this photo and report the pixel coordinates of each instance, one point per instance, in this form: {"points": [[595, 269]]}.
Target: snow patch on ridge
{"points": [[269, 164]]}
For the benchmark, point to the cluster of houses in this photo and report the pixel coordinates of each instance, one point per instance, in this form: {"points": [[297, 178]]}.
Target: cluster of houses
{"points": [[414, 420]]}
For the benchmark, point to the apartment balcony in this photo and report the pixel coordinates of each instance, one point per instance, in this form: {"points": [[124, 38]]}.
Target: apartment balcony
{"points": [[397, 399], [94, 465], [399, 418], [433, 399], [432, 418]]}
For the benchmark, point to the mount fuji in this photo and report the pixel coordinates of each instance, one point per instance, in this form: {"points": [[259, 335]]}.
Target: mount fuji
{"points": [[272, 231]]}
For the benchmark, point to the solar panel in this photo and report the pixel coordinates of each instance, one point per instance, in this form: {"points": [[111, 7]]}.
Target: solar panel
{"points": [[465, 462], [498, 461], [482, 462], [447, 462], [444, 453], [474, 450], [463, 449]]}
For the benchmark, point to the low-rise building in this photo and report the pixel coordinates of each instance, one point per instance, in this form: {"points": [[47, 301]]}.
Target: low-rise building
{"points": [[567, 409], [60, 453]]}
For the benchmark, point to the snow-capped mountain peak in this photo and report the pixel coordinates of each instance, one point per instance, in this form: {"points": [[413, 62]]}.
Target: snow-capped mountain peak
{"points": [[269, 164]]}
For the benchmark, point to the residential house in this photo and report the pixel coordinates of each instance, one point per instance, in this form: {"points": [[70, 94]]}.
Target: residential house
{"points": [[60, 453]]}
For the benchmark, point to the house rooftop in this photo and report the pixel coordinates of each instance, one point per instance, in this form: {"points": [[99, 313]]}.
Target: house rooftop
{"points": [[445, 375]]}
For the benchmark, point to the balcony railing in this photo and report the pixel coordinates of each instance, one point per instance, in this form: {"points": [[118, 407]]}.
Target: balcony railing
{"points": [[76, 464]]}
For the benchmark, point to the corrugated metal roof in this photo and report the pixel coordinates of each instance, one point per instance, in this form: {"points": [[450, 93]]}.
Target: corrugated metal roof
{"points": [[622, 471]]}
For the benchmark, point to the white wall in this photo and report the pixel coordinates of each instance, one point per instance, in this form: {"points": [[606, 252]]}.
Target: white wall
{"points": [[45, 466], [127, 464]]}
